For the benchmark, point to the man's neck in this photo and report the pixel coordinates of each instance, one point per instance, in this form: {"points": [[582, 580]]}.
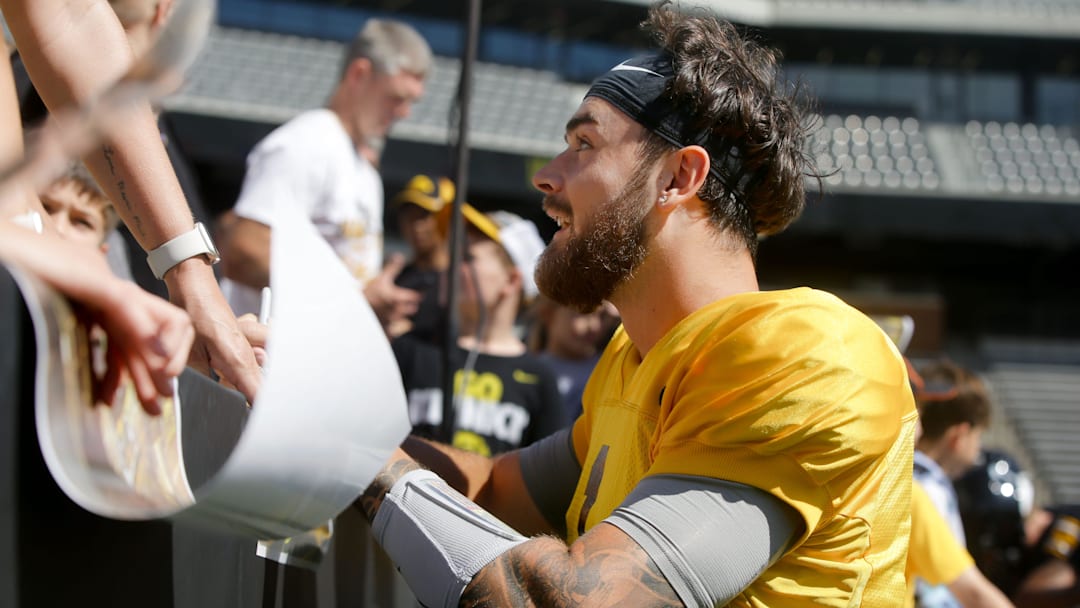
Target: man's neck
{"points": [[937, 452], [678, 279], [338, 104]]}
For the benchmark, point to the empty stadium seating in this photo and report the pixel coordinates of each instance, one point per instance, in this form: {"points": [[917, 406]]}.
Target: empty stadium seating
{"points": [[874, 152], [259, 76], [270, 77], [1025, 159], [1025, 7], [1008, 17], [1037, 387]]}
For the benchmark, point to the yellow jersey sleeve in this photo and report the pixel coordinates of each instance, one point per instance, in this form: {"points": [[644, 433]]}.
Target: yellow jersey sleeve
{"points": [[934, 555]]}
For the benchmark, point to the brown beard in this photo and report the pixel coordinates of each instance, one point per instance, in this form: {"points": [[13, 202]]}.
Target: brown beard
{"points": [[586, 269]]}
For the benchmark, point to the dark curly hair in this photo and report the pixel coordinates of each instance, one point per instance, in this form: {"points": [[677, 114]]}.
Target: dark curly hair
{"points": [[727, 85]]}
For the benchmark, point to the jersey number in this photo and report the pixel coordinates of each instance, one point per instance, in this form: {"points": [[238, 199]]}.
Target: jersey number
{"points": [[593, 487]]}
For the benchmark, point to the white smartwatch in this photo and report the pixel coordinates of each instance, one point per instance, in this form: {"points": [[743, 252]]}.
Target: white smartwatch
{"points": [[177, 249]]}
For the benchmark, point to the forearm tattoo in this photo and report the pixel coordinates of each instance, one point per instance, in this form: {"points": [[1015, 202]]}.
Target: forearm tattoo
{"points": [[372, 498], [121, 188], [543, 573]]}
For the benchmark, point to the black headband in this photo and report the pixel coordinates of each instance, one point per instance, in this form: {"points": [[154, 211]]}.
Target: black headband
{"points": [[637, 88]]}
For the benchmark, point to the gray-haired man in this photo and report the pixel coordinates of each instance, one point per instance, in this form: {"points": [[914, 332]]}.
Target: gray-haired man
{"points": [[321, 162]]}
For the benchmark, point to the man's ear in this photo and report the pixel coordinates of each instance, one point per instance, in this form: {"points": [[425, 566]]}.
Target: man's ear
{"points": [[688, 168], [359, 69]]}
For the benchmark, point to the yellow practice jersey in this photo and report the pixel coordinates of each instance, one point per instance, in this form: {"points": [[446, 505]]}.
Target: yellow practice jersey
{"points": [[793, 392], [934, 555]]}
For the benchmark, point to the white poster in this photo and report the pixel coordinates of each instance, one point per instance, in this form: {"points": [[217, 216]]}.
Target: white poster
{"points": [[330, 411]]}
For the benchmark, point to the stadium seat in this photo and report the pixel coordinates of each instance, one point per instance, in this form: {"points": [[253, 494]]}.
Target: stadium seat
{"points": [[1024, 159], [873, 152]]}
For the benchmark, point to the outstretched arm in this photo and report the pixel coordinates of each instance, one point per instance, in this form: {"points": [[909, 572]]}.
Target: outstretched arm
{"points": [[605, 567], [147, 336], [73, 50]]}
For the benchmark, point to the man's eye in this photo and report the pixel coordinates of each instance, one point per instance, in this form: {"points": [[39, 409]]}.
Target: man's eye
{"points": [[582, 144]]}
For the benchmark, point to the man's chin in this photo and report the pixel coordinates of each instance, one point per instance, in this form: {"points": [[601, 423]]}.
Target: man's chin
{"points": [[571, 293]]}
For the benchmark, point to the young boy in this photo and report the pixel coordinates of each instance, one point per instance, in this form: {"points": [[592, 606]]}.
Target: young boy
{"points": [[79, 208], [954, 409], [505, 397]]}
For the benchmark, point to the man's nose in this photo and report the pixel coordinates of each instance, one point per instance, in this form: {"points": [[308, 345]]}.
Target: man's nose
{"points": [[546, 179]]}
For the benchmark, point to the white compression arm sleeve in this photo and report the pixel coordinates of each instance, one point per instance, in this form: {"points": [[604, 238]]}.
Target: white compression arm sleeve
{"points": [[438, 538]]}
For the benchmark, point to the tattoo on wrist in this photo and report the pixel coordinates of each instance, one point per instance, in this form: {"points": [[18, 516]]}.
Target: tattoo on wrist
{"points": [[372, 498]]}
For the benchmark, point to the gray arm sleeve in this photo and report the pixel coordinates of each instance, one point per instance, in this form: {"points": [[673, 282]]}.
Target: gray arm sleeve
{"points": [[438, 538], [551, 472], [709, 537]]}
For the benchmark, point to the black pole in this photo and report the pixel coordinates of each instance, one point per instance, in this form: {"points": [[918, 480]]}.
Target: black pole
{"points": [[457, 226]]}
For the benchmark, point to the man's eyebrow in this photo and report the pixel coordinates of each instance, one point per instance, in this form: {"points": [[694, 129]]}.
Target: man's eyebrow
{"points": [[577, 121]]}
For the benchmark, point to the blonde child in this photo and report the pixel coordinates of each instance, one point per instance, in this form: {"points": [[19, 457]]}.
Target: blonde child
{"points": [[79, 208]]}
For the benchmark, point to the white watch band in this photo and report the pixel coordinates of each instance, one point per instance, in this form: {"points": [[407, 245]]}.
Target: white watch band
{"points": [[177, 249]]}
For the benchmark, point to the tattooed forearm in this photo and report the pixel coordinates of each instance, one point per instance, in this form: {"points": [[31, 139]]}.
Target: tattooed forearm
{"points": [[121, 189], [372, 498], [608, 569]]}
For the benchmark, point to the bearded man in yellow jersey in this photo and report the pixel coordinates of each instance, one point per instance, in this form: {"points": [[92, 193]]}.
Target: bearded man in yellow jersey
{"points": [[737, 447]]}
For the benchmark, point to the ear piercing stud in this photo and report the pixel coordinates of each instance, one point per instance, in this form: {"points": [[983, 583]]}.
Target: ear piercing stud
{"points": [[663, 199]]}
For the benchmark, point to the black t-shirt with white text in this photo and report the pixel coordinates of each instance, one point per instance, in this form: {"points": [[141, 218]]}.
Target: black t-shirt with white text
{"points": [[504, 403]]}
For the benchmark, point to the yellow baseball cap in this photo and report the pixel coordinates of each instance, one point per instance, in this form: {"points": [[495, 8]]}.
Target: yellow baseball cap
{"points": [[479, 220], [430, 194], [517, 235]]}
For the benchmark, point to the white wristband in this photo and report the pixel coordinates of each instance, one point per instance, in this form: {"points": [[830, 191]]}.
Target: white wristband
{"points": [[187, 245]]}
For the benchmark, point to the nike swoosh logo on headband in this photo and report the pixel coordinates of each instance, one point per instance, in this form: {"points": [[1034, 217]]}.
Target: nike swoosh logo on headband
{"points": [[622, 67]]}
